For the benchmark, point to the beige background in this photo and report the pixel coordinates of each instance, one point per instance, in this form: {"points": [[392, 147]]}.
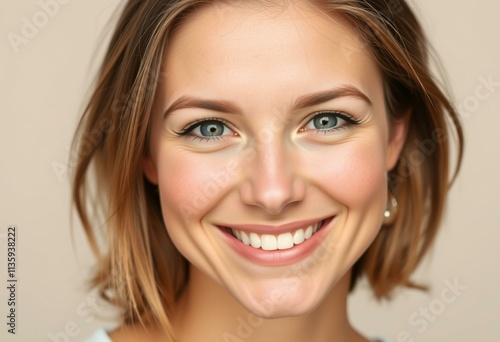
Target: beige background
{"points": [[42, 88]]}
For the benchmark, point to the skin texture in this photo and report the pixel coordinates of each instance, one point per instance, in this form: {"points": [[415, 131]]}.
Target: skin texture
{"points": [[271, 166]]}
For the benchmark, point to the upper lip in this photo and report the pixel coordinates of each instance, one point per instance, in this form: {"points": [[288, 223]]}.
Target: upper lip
{"points": [[280, 229]]}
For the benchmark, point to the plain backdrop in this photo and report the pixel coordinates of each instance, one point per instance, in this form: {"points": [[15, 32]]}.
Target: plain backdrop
{"points": [[43, 83]]}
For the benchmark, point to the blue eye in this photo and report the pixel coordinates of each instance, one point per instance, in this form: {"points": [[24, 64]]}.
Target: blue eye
{"points": [[207, 129], [330, 121], [211, 129], [325, 121]]}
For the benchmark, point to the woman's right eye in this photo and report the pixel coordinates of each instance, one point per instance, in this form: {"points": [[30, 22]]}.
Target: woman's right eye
{"points": [[207, 129]]}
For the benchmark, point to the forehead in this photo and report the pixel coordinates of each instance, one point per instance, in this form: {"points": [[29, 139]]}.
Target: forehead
{"points": [[293, 44]]}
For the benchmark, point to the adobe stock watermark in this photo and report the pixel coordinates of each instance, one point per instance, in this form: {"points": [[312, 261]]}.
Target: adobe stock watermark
{"points": [[31, 25], [246, 326], [123, 106], [426, 315], [87, 310], [483, 91], [93, 138], [409, 164]]}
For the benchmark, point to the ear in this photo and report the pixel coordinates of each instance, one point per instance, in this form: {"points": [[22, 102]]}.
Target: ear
{"points": [[149, 169], [398, 131]]}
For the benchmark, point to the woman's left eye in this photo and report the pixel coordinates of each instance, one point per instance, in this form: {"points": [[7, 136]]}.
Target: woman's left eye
{"points": [[329, 121]]}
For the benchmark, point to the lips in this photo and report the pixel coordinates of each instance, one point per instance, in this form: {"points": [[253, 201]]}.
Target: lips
{"points": [[272, 242], [277, 245]]}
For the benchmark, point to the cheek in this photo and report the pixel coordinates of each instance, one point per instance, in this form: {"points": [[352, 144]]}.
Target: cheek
{"points": [[190, 184], [354, 174]]}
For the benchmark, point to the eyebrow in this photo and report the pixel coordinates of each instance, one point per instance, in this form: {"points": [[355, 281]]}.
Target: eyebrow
{"points": [[314, 99], [304, 101], [186, 101]]}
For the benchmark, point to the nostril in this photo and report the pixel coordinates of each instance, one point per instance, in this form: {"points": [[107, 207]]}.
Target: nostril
{"points": [[273, 199]]}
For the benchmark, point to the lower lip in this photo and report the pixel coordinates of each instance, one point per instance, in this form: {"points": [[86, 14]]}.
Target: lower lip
{"points": [[279, 257]]}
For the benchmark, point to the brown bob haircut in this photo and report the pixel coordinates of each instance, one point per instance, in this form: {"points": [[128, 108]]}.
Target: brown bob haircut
{"points": [[140, 270]]}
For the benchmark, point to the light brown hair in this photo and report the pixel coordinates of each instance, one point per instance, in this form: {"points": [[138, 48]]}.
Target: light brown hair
{"points": [[139, 269]]}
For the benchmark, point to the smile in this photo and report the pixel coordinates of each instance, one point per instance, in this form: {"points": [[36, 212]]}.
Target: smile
{"points": [[277, 245], [271, 242]]}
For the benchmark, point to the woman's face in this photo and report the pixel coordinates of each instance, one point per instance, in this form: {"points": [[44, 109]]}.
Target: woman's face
{"points": [[270, 147]]}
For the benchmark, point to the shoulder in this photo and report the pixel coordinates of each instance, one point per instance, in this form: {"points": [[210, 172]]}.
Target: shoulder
{"points": [[99, 336], [134, 333]]}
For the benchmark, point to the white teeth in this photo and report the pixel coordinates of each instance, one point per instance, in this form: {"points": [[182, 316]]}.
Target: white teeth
{"points": [[285, 241], [255, 240], [308, 233], [270, 242], [298, 236], [315, 227], [245, 239]]}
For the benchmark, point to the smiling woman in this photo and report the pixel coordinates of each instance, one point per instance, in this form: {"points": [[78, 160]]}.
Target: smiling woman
{"points": [[263, 163]]}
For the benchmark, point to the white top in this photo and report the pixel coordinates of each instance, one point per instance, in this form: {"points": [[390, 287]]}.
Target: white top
{"points": [[101, 336]]}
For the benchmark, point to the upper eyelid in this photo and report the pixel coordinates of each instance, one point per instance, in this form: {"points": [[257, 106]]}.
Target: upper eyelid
{"points": [[197, 123], [343, 115]]}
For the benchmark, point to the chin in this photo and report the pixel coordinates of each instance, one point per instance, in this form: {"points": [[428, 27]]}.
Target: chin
{"points": [[294, 300], [272, 310]]}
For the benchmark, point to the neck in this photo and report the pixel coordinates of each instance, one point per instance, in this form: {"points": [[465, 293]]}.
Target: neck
{"points": [[207, 312]]}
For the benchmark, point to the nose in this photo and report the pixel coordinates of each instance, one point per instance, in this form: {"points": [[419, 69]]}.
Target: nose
{"points": [[273, 181]]}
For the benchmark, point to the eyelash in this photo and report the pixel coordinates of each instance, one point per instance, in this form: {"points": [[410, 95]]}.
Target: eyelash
{"points": [[186, 131], [350, 121]]}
